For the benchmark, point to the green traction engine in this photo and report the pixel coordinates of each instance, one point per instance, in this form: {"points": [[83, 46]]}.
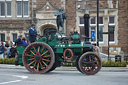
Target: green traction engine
{"points": [[53, 48]]}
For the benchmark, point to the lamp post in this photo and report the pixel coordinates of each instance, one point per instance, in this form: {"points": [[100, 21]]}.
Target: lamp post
{"points": [[97, 22]]}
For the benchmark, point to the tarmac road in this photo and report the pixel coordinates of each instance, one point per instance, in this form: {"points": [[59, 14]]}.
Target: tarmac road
{"points": [[57, 77]]}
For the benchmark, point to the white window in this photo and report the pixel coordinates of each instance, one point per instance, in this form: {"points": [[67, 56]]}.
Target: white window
{"points": [[19, 9], [14, 36], [111, 28], [22, 8], [81, 20], [2, 37], [25, 6], [93, 34], [101, 21], [5, 8], [111, 20], [101, 33], [93, 20], [9, 9], [2, 9]]}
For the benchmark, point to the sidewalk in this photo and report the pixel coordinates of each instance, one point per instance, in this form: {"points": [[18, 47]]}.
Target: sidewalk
{"points": [[104, 69]]}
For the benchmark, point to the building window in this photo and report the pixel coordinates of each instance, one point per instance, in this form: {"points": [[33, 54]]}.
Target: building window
{"points": [[93, 20], [81, 20], [14, 37], [8, 9], [111, 28], [25, 8], [2, 37], [93, 34], [111, 20], [101, 20], [100, 34], [22, 8], [19, 9], [2, 9], [5, 8]]}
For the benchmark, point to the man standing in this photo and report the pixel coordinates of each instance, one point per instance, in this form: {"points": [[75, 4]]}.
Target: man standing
{"points": [[32, 33]]}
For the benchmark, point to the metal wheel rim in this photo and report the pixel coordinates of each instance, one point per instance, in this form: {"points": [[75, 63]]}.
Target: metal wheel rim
{"points": [[86, 68], [38, 60]]}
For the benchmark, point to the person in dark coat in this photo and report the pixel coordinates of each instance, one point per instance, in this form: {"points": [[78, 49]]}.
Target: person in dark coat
{"points": [[2, 48], [13, 52], [32, 33], [24, 41], [18, 42]]}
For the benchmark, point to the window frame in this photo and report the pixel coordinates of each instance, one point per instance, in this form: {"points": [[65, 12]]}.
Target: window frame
{"points": [[7, 10], [1, 38], [22, 8], [112, 25], [4, 10], [13, 36]]}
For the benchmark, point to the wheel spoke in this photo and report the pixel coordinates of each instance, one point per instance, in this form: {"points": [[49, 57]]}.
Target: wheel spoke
{"points": [[31, 59], [42, 49], [41, 65], [31, 63], [29, 55], [32, 52], [34, 48], [38, 48], [47, 56], [34, 65], [44, 53], [46, 60], [37, 67], [44, 63]]}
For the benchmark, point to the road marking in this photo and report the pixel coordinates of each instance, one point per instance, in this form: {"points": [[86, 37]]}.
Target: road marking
{"points": [[10, 82], [23, 77]]}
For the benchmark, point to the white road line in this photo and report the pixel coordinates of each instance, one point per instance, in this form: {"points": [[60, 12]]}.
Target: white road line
{"points": [[10, 82], [23, 77]]}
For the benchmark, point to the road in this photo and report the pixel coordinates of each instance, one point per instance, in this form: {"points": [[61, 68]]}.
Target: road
{"points": [[23, 77]]}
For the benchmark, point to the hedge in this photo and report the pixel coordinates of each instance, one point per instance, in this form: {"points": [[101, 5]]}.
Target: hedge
{"points": [[104, 64], [8, 61]]}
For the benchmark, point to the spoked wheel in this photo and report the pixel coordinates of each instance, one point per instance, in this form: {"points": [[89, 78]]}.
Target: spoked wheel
{"points": [[38, 57], [89, 63]]}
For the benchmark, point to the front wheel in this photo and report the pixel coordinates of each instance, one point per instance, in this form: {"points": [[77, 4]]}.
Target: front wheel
{"points": [[38, 57], [89, 63]]}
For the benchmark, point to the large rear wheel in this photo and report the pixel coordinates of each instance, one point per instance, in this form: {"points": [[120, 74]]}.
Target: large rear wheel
{"points": [[38, 57], [89, 63]]}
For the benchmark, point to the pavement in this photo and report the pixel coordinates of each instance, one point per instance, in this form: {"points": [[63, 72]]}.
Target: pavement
{"points": [[63, 68]]}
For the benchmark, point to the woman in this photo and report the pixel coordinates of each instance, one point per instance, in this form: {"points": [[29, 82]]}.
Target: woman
{"points": [[24, 42], [10, 44], [6, 44]]}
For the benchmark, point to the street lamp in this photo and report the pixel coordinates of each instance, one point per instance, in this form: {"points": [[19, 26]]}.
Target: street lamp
{"points": [[97, 22]]}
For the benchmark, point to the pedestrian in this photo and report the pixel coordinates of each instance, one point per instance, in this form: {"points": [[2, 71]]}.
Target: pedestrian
{"points": [[24, 41], [32, 33], [13, 52], [6, 44], [96, 49], [2, 49], [10, 44], [18, 41]]}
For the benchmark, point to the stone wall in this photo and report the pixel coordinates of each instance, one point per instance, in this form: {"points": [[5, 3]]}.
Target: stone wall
{"points": [[123, 25], [71, 15]]}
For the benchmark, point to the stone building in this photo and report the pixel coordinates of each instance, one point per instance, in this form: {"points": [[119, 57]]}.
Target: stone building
{"points": [[16, 16]]}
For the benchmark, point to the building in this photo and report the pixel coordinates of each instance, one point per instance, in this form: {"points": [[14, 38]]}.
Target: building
{"points": [[16, 16]]}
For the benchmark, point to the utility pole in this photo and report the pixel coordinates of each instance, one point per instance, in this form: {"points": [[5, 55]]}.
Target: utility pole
{"points": [[97, 22]]}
